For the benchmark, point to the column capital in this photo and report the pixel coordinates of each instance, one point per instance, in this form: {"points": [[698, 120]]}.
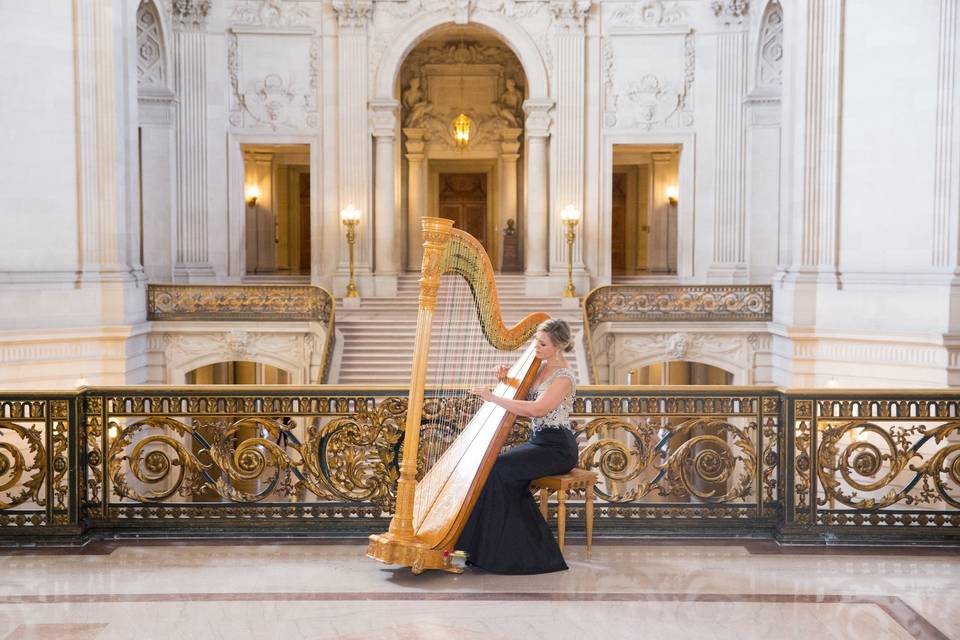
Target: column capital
{"points": [[190, 13], [730, 11], [383, 117], [538, 117], [569, 15], [353, 14]]}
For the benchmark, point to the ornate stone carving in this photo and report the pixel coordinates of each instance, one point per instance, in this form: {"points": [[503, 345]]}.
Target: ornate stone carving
{"points": [[353, 13], [508, 108], [648, 14], [649, 303], [151, 71], [730, 11], [416, 103], [274, 101], [770, 53], [652, 101], [190, 12], [736, 349], [570, 14], [270, 13], [239, 302]]}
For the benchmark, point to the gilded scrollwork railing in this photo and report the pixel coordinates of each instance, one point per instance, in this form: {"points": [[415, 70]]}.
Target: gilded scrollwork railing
{"points": [[884, 462], [324, 460], [37, 468], [672, 303], [248, 303]]}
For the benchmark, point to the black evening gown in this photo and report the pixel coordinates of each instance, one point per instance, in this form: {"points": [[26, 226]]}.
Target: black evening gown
{"points": [[505, 532]]}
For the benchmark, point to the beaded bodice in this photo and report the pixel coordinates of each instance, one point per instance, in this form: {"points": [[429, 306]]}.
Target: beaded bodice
{"points": [[560, 416]]}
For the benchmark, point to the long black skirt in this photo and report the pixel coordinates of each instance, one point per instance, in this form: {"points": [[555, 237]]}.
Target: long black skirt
{"points": [[505, 532]]}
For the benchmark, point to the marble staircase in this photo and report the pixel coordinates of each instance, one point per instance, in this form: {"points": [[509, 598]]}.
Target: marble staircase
{"points": [[378, 336]]}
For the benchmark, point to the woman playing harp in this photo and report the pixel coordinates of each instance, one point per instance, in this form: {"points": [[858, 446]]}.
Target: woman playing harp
{"points": [[441, 477], [506, 532]]}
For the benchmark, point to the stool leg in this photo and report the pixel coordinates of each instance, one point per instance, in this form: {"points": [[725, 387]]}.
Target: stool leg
{"points": [[544, 495], [588, 499], [561, 515]]}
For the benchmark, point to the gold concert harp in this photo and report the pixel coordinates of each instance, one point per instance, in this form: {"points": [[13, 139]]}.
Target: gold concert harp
{"points": [[431, 513]]}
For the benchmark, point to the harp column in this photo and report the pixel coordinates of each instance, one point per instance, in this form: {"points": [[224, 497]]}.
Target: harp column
{"points": [[384, 118], [536, 248]]}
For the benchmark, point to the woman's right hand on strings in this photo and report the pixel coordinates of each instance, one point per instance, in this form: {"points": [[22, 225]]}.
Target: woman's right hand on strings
{"points": [[501, 372]]}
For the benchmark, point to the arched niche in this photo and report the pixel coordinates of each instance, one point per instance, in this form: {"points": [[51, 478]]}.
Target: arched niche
{"points": [[420, 27]]}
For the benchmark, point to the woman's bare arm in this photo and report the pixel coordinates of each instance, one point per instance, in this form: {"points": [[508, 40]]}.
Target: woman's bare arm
{"points": [[550, 400]]}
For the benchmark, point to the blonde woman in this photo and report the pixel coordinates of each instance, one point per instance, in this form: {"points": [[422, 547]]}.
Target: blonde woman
{"points": [[505, 532]]}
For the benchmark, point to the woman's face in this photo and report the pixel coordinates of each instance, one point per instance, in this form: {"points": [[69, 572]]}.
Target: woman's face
{"points": [[544, 346]]}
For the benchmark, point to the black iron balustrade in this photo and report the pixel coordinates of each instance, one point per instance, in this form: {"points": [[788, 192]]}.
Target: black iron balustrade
{"points": [[323, 461]]}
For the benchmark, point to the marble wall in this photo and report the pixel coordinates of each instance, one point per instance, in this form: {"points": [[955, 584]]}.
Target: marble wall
{"points": [[819, 151]]}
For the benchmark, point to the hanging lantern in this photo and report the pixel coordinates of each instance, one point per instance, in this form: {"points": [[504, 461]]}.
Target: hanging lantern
{"points": [[461, 131]]}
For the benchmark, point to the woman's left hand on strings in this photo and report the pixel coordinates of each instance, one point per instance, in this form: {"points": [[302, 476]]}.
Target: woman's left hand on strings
{"points": [[484, 393]]}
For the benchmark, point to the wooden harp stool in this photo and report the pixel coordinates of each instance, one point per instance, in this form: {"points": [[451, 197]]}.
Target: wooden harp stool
{"points": [[576, 479]]}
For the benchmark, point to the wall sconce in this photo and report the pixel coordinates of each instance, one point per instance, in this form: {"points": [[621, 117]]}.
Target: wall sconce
{"points": [[252, 194], [672, 195], [461, 131], [350, 217], [570, 216]]}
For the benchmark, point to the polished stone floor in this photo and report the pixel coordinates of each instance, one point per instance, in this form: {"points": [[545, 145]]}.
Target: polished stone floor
{"points": [[187, 590]]}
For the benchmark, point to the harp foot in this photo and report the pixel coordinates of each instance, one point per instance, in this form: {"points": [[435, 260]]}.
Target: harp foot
{"points": [[410, 553]]}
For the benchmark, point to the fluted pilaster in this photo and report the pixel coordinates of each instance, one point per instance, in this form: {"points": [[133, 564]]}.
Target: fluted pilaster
{"points": [[569, 18], [729, 204], [354, 134], [946, 186], [190, 53], [820, 161], [99, 192]]}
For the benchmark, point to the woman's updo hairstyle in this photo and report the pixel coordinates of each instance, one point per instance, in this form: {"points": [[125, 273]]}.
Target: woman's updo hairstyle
{"points": [[559, 332]]}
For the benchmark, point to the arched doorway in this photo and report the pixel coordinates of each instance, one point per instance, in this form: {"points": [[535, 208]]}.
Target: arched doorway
{"points": [[461, 95]]}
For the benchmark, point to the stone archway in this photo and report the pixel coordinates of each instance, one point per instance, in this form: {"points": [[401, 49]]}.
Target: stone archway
{"points": [[534, 121]]}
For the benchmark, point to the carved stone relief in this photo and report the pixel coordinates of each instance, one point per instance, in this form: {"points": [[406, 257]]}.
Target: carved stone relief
{"points": [[151, 71], [655, 100], [271, 13], [183, 350], [490, 90], [736, 350], [287, 98], [770, 50], [650, 14]]}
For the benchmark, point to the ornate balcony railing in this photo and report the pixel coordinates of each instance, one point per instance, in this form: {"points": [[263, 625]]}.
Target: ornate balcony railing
{"points": [[672, 303], [323, 461], [248, 303]]}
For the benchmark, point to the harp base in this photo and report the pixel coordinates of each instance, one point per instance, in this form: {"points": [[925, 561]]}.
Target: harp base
{"points": [[410, 553]]}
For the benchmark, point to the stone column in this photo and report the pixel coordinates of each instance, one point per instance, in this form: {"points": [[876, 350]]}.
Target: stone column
{"points": [[509, 154], [536, 226], [568, 17], [384, 119], [416, 196], [729, 201], [354, 154], [190, 54], [814, 103], [103, 252]]}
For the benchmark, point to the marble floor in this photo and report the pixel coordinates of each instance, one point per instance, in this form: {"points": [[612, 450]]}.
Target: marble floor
{"points": [[230, 590]]}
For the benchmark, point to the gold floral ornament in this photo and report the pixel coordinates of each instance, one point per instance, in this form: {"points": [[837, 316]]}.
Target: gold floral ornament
{"points": [[356, 457], [153, 459], [15, 489]]}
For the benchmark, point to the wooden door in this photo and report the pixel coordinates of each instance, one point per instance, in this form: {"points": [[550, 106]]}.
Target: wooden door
{"points": [[463, 199], [618, 240]]}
